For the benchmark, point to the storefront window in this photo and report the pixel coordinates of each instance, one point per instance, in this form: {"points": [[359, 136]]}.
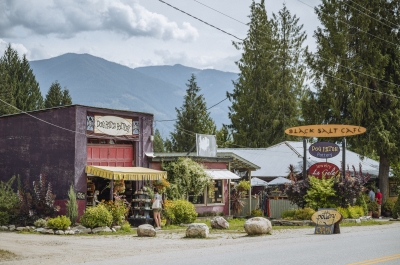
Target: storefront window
{"points": [[216, 195], [198, 200]]}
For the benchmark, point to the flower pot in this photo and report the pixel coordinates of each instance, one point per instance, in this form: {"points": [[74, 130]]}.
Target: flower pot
{"points": [[375, 215]]}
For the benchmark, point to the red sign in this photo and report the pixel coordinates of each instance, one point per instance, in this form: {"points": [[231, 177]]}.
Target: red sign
{"points": [[323, 169]]}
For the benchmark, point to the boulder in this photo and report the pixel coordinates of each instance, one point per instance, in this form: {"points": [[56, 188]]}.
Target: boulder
{"points": [[69, 232], [257, 226], [146, 230], [59, 232], [117, 227], [22, 228], [80, 229], [197, 230], [47, 231], [3, 228], [219, 222], [101, 229], [113, 230], [40, 229], [11, 227]]}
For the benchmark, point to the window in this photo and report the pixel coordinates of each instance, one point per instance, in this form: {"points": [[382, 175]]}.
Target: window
{"points": [[216, 195], [198, 200]]}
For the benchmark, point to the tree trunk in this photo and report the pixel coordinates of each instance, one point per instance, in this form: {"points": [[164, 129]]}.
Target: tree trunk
{"points": [[384, 166]]}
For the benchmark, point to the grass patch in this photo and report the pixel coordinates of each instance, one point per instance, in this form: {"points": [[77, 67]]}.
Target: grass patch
{"points": [[365, 223], [6, 255]]}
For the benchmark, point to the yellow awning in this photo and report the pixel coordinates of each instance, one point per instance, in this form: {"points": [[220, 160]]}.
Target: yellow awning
{"points": [[125, 173]]}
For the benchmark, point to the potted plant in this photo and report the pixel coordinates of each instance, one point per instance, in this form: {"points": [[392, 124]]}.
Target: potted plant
{"points": [[387, 208], [243, 186], [373, 208]]}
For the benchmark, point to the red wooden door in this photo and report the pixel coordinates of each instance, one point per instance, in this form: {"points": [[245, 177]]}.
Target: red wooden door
{"points": [[110, 155]]}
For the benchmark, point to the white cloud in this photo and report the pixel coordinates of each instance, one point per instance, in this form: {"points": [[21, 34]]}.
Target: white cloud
{"points": [[20, 48], [202, 62], [66, 18]]}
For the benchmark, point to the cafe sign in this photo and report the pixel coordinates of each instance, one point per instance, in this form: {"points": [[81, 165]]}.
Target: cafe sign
{"points": [[325, 220], [323, 169], [112, 125], [324, 150], [325, 130]]}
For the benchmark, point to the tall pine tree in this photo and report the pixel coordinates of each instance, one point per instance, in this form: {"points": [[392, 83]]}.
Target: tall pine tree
{"points": [[56, 96], [266, 95], [158, 144], [356, 72], [18, 83], [193, 117]]}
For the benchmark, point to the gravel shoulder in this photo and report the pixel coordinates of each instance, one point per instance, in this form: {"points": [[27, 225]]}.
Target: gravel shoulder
{"points": [[52, 249]]}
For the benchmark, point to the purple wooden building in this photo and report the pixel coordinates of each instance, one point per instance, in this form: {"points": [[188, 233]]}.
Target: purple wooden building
{"points": [[61, 142]]}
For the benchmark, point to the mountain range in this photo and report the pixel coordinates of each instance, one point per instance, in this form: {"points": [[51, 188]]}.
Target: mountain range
{"points": [[94, 81]]}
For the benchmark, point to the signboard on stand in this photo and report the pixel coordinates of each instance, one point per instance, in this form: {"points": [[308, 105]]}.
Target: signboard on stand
{"points": [[324, 150], [325, 220], [323, 169]]}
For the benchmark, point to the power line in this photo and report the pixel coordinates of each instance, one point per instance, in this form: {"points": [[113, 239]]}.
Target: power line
{"points": [[349, 68], [349, 24], [371, 12], [200, 20]]}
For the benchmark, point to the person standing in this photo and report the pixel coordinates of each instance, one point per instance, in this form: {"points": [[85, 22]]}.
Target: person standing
{"points": [[378, 197], [371, 195], [157, 207]]}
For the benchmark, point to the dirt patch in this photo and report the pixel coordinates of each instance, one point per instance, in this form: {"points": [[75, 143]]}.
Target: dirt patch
{"points": [[7, 255]]}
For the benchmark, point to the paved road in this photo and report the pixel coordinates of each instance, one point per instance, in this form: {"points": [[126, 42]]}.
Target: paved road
{"points": [[361, 245]]}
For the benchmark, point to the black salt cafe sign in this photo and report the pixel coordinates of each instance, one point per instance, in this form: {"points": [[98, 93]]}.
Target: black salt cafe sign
{"points": [[324, 150], [325, 130]]}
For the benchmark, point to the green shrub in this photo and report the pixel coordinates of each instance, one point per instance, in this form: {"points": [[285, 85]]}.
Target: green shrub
{"points": [[288, 214], [180, 211], [40, 223], [373, 207], [321, 193], [96, 217], [60, 222], [396, 209], [4, 218], [362, 201], [344, 212], [118, 210], [72, 205], [257, 212], [9, 201], [387, 206], [356, 211], [126, 227], [243, 185], [303, 214]]}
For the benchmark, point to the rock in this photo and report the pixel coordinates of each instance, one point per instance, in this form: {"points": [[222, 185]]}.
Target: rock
{"points": [[101, 229], [4, 228], [40, 229], [69, 232], [117, 227], [11, 227], [219, 222], [113, 230], [80, 229], [20, 228], [59, 232], [47, 231], [257, 226], [197, 230], [146, 230]]}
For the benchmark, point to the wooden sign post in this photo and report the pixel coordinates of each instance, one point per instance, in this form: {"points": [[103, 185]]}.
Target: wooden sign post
{"points": [[325, 220]]}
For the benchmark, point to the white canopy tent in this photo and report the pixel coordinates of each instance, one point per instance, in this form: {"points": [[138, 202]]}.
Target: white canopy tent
{"points": [[258, 182], [279, 181]]}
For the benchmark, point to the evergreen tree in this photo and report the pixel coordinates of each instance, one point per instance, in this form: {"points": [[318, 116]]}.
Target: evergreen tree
{"points": [[356, 69], [18, 84], [158, 144], [266, 95], [192, 118], [224, 139], [56, 96]]}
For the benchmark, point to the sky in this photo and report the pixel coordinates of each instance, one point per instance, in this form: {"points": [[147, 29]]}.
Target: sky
{"points": [[138, 32]]}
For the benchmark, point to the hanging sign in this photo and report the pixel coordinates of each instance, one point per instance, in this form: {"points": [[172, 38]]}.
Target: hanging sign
{"points": [[325, 169], [324, 150], [112, 125], [325, 130], [325, 220]]}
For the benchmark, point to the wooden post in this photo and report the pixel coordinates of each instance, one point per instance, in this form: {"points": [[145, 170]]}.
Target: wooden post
{"points": [[249, 172], [344, 157], [112, 189], [304, 158]]}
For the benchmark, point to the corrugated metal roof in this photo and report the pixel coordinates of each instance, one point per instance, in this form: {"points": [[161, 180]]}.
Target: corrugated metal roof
{"points": [[274, 161], [221, 174]]}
